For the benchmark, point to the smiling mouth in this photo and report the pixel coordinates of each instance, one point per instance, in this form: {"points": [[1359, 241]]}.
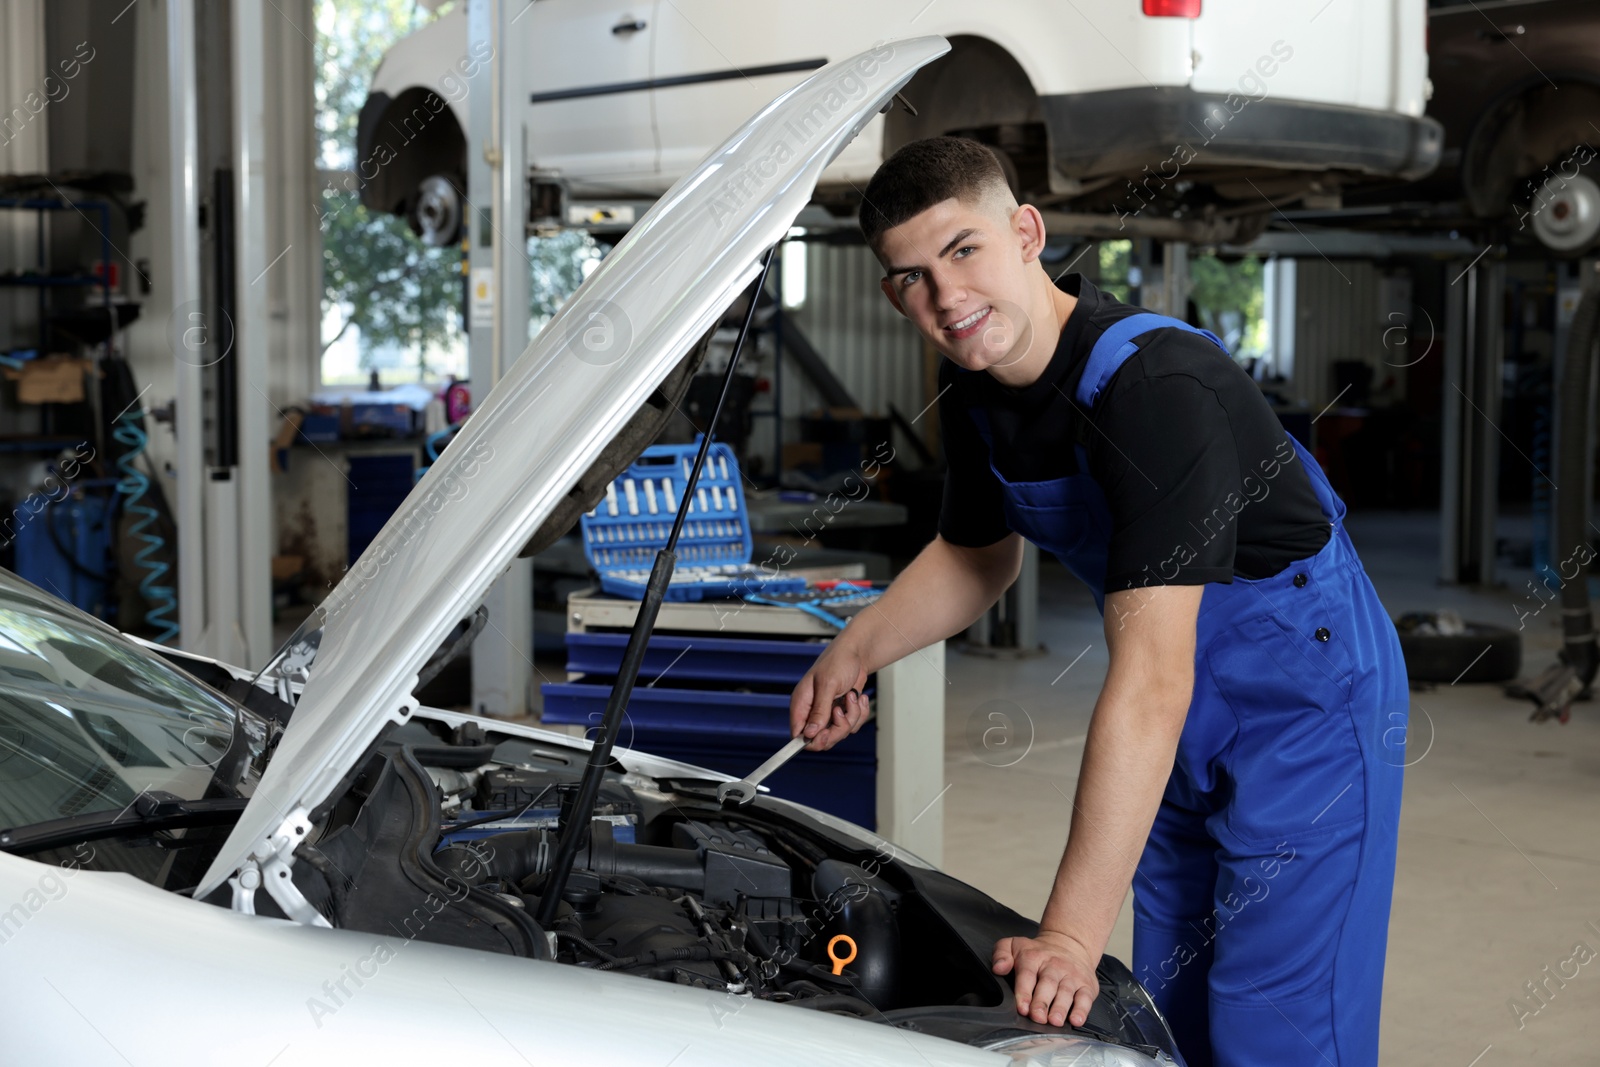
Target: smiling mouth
{"points": [[968, 326]]}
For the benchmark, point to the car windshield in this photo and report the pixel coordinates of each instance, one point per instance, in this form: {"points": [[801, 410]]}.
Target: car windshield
{"points": [[89, 720]]}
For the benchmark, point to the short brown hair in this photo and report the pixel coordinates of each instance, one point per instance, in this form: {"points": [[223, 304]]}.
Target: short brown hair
{"points": [[923, 173]]}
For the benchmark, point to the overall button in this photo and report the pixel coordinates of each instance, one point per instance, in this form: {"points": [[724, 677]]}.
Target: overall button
{"points": [[1300, 581], [1322, 633]]}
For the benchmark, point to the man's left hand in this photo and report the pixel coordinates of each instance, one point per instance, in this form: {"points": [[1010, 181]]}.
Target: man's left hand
{"points": [[1054, 976]]}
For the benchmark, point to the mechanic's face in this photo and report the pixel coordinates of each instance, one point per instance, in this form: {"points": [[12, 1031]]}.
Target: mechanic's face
{"points": [[957, 271]]}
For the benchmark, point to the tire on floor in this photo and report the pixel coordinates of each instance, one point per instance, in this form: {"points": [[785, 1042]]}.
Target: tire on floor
{"points": [[1484, 653]]}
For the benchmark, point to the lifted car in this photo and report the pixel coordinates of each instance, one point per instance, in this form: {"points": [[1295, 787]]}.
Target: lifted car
{"points": [[1168, 118]]}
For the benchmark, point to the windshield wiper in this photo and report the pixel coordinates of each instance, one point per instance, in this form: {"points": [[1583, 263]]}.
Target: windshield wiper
{"points": [[150, 811]]}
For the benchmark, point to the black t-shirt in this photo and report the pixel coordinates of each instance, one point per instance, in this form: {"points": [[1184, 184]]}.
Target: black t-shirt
{"points": [[1202, 480]]}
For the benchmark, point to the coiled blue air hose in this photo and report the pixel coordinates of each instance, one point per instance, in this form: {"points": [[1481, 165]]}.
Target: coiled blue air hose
{"points": [[160, 600]]}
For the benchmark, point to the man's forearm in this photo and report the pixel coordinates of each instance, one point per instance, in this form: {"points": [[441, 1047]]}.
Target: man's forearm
{"points": [[943, 591], [1128, 756]]}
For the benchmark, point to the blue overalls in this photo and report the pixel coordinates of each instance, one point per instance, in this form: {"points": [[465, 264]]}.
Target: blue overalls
{"points": [[1261, 902]]}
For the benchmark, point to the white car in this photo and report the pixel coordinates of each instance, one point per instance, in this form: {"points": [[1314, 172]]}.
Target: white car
{"points": [[1137, 111], [200, 866]]}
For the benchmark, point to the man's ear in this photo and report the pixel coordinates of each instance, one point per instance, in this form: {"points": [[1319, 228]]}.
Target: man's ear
{"points": [[1028, 225], [894, 297]]}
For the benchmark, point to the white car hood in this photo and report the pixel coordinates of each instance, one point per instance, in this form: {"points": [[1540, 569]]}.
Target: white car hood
{"points": [[595, 363]]}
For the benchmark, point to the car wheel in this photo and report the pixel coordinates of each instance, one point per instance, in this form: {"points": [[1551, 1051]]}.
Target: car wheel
{"points": [[435, 211], [1480, 653], [1565, 213]]}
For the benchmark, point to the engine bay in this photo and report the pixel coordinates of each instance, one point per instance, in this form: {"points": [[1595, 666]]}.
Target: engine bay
{"points": [[447, 833], [453, 843]]}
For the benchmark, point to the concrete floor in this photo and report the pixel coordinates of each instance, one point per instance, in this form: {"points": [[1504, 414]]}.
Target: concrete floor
{"points": [[1499, 859]]}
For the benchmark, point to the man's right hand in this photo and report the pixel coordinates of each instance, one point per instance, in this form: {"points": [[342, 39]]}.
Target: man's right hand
{"points": [[828, 704]]}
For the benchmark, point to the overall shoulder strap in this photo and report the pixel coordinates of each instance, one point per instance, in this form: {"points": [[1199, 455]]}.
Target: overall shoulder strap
{"points": [[1117, 344]]}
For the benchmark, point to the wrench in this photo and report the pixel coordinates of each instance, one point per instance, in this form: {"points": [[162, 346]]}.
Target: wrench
{"points": [[744, 790]]}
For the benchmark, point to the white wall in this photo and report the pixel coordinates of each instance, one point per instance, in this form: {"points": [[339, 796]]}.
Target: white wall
{"points": [[872, 349], [1337, 317]]}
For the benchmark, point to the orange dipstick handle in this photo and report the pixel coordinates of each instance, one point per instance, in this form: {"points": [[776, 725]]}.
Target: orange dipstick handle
{"points": [[840, 961]]}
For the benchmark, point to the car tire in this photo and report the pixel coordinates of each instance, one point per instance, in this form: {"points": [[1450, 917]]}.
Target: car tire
{"points": [[1483, 654]]}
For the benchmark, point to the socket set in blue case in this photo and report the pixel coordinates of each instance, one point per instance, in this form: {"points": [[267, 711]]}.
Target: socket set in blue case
{"points": [[625, 531]]}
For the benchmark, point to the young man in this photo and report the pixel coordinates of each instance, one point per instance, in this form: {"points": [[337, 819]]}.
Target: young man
{"points": [[1246, 745]]}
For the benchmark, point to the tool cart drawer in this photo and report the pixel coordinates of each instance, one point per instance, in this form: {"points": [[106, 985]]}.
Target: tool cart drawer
{"points": [[841, 781], [715, 659], [732, 731]]}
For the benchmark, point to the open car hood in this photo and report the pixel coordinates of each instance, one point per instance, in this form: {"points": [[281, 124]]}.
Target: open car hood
{"points": [[569, 394]]}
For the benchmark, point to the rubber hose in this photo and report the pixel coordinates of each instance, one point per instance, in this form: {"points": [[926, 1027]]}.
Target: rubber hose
{"points": [[518, 855], [458, 757], [160, 598], [862, 912]]}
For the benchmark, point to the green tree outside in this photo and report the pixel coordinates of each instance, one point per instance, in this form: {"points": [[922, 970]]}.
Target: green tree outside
{"points": [[387, 283], [1231, 299], [1229, 295], [377, 276]]}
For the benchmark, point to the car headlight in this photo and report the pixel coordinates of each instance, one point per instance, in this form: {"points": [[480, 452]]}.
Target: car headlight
{"points": [[1040, 1050]]}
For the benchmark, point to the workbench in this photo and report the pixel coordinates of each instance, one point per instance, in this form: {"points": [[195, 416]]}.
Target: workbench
{"points": [[909, 706]]}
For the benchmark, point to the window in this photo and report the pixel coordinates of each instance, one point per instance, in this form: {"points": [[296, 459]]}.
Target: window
{"points": [[390, 303], [1228, 298], [1116, 266], [557, 265], [1247, 301], [793, 266]]}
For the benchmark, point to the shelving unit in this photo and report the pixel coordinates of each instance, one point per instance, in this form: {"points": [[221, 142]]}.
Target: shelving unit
{"points": [[87, 515], [44, 279]]}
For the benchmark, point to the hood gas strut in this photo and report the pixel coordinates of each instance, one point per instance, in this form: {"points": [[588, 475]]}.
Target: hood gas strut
{"points": [[576, 828]]}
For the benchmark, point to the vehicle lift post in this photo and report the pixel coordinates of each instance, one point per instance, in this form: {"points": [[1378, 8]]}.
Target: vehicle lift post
{"points": [[494, 220]]}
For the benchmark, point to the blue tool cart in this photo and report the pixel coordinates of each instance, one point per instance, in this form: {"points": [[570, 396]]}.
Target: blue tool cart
{"points": [[714, 691], [378, 485], [721, 703]]}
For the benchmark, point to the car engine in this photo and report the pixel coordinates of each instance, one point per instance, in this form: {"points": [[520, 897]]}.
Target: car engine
{"points": [[453, 842]]}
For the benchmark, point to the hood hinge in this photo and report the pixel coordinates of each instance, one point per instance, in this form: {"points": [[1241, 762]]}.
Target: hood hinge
{"points": [[270, 865]]}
